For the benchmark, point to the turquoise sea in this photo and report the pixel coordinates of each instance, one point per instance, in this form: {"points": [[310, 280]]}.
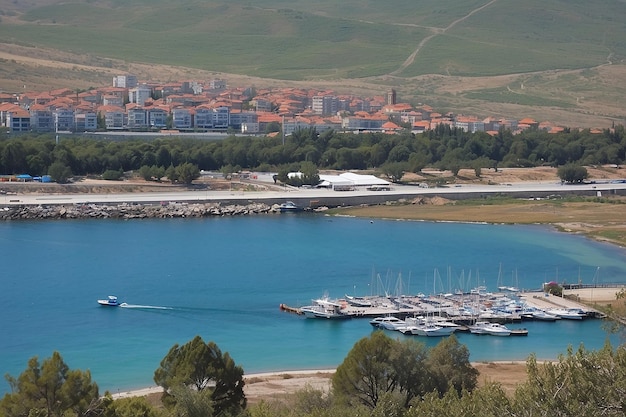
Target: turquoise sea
{"points": [[224, 278]]}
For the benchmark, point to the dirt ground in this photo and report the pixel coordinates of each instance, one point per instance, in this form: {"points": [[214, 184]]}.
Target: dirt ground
{"points": [[278, 386], [508, 374]]}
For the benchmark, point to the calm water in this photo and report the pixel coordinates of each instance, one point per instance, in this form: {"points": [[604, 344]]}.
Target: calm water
{"points": [[223, 279]]}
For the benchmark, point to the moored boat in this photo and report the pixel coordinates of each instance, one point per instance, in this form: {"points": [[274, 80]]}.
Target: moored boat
{"points": [[324, 308], [388, 323], [569, 313], [288, 206], [494, 329]]}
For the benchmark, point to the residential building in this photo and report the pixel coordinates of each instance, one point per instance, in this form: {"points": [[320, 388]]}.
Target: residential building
{"points": [[86, 121], [181, 118], [324, 105], [64, 120], [212, 118], [157, 117], [18, 120], [114, 117], [125, 81], [140, 94], [137, 118], [41, 119], [238, 118]]}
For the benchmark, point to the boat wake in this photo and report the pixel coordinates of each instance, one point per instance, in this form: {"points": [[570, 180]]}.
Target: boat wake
{"points": [[125, 305]]}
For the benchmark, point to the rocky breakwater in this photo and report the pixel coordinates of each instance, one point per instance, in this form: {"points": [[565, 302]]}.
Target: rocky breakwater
{"points": [[133, 211]]}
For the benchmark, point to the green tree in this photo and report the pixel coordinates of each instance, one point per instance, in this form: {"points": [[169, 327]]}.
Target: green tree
{"points": [[310, 173], [581, 383], [51, 389], [112, 174], [377, 366], [572, 173], [395, 170], [129, 407], [187, 172], [202, 367], [60, 172], [449, 366], [171, 174]]}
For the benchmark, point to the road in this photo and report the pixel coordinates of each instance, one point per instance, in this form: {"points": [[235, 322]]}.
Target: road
{"points": [[523, 190]]}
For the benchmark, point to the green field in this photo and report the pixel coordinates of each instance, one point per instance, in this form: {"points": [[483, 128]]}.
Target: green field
{"points": [[329, 39]]}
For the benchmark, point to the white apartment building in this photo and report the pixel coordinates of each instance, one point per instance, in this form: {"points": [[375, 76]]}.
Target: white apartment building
{"points": [[125, 81], [325, 105], [140, 94]]}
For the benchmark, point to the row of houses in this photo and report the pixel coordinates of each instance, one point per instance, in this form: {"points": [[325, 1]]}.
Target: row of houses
{"points": [[193, 106]]}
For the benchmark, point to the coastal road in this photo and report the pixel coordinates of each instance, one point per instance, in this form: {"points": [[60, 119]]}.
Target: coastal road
{"points": [[323, 196]]}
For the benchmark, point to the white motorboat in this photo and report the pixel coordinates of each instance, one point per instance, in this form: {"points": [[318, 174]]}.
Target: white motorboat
{"points": [[358, 301], [288, 206], [324, 308], [494, 329], [429, 330], [568, 313], [110, 301], [388, 323], [544, 316]]}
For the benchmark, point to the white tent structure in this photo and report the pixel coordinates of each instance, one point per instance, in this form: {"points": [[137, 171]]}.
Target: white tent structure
{"points": [[350, 181]]}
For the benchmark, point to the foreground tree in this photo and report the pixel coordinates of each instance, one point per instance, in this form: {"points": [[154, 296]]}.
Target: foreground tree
{"points": [[51, 389], [380, 367], [202, 367], [581, 383], [449, 367]]}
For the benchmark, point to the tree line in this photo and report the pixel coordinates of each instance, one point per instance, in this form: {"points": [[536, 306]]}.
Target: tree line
{"points": [[380, 376], [444, 147]]}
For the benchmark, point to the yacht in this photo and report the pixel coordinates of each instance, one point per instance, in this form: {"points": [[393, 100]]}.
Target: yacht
{"points": [[324, 308], [568, 313], [388, 323], [494, 329]]}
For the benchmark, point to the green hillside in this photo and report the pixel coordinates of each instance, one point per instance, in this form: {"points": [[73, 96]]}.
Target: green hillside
{"points": [[327, 39]]}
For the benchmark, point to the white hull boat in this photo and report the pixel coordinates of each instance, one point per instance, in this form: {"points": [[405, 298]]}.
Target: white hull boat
{"points": [[388, 323], [111, 301], [493, 329]]}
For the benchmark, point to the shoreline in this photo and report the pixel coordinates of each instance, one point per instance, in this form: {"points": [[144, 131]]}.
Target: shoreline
{"points": [[283, 375]]}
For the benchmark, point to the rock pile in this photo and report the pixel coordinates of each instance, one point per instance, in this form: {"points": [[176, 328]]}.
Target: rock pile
{"points": [[133, 211]]}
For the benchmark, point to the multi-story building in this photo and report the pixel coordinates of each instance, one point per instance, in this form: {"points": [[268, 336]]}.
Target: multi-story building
{"points": [[137, 118], [239, 118], [18, 120], [114, 118], [86, 121], [64, 120], [212, 118], [157, 118], [181, 118], [324, 105], [41, 119], [125, 81], [363, 123], [140, 94]]}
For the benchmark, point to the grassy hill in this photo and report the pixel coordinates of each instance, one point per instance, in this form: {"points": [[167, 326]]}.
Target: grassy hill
{"points": [[505, 55]]}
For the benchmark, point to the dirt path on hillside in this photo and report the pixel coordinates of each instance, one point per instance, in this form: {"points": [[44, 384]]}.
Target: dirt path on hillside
{"points": [[437, 31]]}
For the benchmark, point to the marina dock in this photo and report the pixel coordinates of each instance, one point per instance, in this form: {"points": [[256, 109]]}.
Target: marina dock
{"points": [[463, 309]]}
